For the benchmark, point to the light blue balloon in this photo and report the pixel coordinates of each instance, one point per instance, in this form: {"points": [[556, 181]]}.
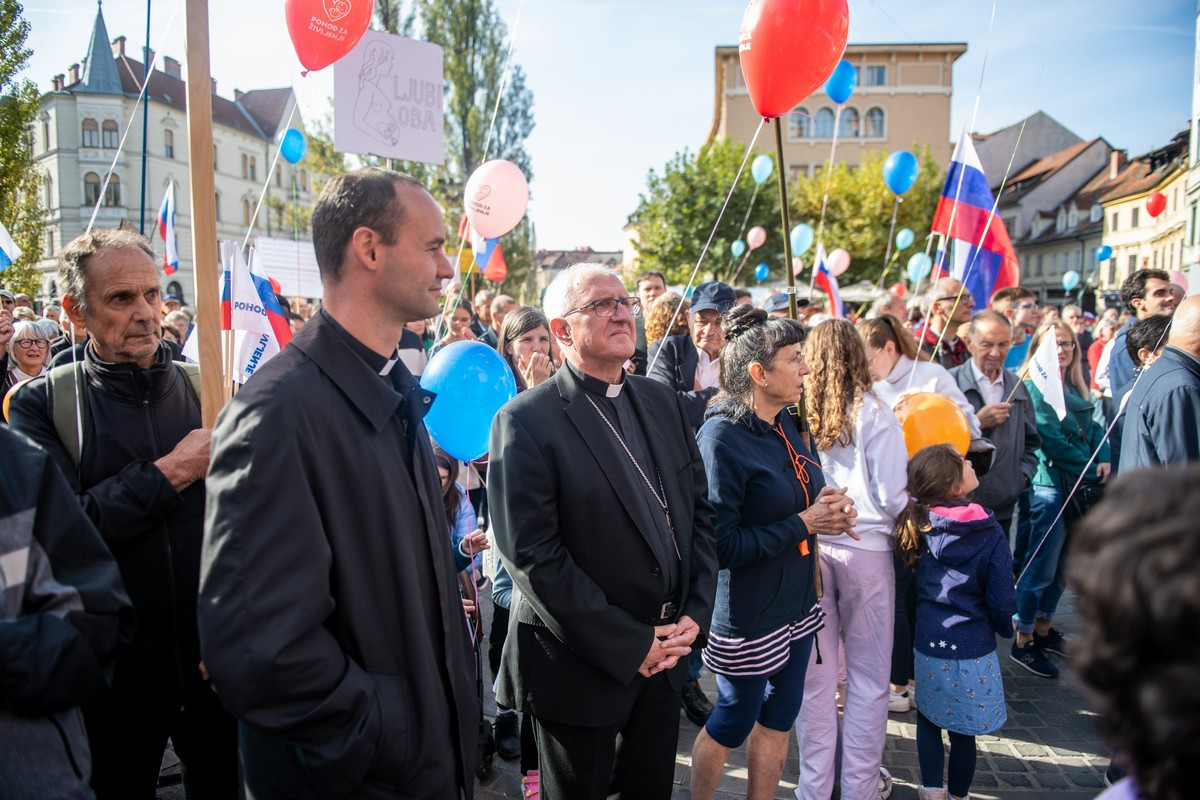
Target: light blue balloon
{"points": [[802, 238], [737, 248], [919, 266], [1070, 280], [761, 168], [904, 238], [841, 83], [900, 171], [472, 382], [292, 145], [1103, 253], [762, 271]]}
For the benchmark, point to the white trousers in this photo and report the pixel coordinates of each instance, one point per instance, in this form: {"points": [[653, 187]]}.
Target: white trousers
{"points": [[859, 599]]}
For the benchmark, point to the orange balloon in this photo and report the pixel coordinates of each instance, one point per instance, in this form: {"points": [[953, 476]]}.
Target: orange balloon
{"points": [[9, 396], [928, 419]]}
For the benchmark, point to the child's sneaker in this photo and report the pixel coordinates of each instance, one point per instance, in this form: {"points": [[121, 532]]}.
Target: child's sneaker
{"points": [[1032, 658], [899, 702], [931, 794], [1052, 642], [529, 785], [885, 784]]}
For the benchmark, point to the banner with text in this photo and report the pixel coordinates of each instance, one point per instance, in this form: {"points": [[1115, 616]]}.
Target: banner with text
{"points": [[387, 99]]}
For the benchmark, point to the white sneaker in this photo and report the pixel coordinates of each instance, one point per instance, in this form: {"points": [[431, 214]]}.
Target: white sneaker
{"points": [[898, 703], [885, 784], [912, 694]]}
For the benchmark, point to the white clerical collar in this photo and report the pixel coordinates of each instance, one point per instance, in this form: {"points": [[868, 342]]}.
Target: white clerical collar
{"points": [[596, 385], [391, 362]]}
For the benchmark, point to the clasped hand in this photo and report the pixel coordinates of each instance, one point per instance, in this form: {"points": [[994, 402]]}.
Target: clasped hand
{"points": [[831, 515], [671, 643]]}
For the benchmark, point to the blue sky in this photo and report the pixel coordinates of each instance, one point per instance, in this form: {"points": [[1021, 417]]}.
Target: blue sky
{"points": [[621, 85]]}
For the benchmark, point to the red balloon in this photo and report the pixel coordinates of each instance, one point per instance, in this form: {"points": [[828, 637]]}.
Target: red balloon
{"points": [[323, 31], [898, 289], [1156, 203], [788, 48], [274, 285]]}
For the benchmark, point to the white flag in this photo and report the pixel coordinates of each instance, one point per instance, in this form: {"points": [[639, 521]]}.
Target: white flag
{"points": [[1044, 372]]}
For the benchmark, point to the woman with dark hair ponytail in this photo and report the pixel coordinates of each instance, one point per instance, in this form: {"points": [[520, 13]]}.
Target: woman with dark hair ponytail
{"points": [[771, 502]]}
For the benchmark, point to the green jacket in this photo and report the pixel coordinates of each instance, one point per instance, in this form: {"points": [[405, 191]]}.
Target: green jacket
{"points": [[1067, 444]]}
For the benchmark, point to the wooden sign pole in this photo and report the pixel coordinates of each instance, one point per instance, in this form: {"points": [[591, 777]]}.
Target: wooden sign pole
{"points": [[204, 212]]}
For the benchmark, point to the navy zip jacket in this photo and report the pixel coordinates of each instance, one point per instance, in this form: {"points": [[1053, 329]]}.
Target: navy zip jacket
{"points": [[766, 578], [965, 593]]}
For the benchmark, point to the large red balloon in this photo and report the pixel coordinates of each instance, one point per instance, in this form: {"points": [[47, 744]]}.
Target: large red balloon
{"points": [[1156, 203], [323, 31], [788, 48]]}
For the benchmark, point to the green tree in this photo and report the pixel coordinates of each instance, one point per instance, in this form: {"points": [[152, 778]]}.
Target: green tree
{"points": [[858, 216], [21, 209], [676, 213]]}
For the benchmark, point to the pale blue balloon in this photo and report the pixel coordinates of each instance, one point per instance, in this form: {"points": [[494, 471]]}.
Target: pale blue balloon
{"points": [[761, 168], [472, 382], [904, 238], [919, 266], [802, 238], [737, 248], [1070, 280]]}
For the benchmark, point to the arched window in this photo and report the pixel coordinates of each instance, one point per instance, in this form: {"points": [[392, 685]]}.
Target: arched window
{"points": [[112, 195], [823, 124], [849, 124], [49, 191], [91, 133], [799, 124], [169, 144], [110, 134], [91, 189], [872, 127]]}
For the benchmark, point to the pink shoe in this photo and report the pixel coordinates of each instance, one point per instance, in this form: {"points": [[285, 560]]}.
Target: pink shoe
{"points": [[529, 785]]}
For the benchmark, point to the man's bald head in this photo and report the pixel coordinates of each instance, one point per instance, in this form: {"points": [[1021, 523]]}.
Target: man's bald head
{"points": [[1185, 327]]}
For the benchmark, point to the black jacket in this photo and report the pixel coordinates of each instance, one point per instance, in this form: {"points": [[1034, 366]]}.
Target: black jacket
{"points": [[136, 416], [329, 606], [675, 363], [573, 533]]}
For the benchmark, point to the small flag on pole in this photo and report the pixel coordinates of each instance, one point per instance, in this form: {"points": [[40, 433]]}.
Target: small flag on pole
{"points": [[827, 282], [9, 252], [1044, 372], [166, 229]]}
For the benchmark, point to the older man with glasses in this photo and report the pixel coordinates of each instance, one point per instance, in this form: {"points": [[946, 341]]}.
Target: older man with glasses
{"points": [[947, 305], [601, 513]]}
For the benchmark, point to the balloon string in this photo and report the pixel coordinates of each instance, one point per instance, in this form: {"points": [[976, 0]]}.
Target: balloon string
{"points": [[452, 300], [745, 258], [837, 123], [713, 233], [1090, 461], [271, 171], [742, 230], [148, 70]]}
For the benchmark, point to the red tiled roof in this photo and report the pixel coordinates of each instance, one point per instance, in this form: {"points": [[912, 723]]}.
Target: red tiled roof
{"points": [[1045, 167], [266, 106]]}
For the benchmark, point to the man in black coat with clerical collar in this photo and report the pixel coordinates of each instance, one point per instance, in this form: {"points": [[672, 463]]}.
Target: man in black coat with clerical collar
{"points": [[601, 514]]}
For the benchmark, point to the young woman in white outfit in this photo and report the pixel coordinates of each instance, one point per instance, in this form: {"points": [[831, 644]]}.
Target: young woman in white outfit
{"points": [[861, 448]]}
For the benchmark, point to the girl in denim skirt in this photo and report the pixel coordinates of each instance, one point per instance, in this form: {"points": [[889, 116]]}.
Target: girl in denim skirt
{"points": [[965, 598]]}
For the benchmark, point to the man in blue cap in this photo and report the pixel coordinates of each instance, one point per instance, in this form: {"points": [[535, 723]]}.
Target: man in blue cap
{"points": [[690, 363]]}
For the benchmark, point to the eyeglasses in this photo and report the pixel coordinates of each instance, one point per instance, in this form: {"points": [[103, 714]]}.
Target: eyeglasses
{"points": [[1025, 306], [40, 344], [967, 297], [607, 306], [1068, 346]]}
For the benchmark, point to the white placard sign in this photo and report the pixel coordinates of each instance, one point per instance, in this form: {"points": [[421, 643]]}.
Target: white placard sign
{"points": [[387, 99]]}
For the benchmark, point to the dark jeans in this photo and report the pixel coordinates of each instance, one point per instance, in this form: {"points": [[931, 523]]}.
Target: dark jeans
{"points": [[906, 623], [1024, 522], [931, 756], [633, 760], [496, 637], [128, 741]]}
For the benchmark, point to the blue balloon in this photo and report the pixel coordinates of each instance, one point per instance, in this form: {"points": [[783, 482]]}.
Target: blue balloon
{"points": [[1103, 253], [904, 238], [802, 238], [737, 248], [900, 171], [762, 271], [1070, 280], [761, 168], [292, 145], [472, 382], [841, 83], [919, 266]]}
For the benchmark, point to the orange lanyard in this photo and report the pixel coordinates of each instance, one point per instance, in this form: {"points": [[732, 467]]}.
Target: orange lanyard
{"points": [[798, 462]]}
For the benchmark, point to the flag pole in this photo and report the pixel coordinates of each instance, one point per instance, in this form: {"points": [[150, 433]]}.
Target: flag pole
{"points": [[783, 213], [204, 218]]}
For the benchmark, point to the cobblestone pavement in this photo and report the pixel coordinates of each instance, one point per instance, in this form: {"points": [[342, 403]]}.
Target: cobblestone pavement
{"points": [[1049, 748]]}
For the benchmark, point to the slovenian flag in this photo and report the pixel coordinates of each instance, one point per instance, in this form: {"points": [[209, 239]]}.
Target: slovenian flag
{"points": [[9, 252], [827, 282], [166, 229], [250, 308], [982, 255]]}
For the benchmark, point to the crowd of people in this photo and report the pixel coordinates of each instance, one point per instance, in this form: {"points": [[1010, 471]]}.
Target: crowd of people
{"points": [[684, 481]]}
